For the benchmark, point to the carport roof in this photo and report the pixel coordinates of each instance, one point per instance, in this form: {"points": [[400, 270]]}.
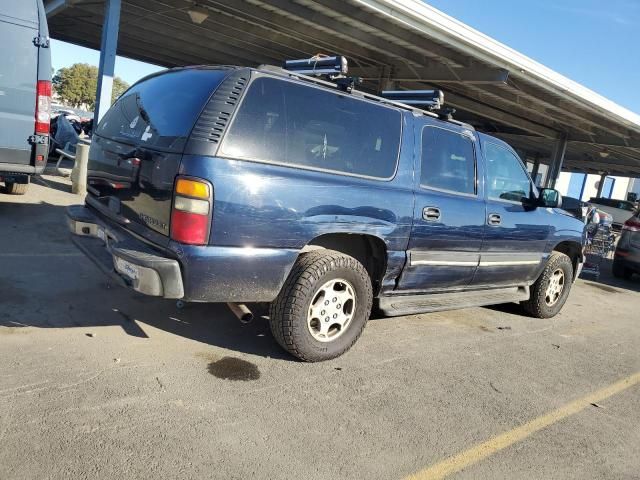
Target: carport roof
{"points": [[405, 43]]}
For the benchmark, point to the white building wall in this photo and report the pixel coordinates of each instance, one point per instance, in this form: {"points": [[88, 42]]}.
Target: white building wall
{"points": [[562, 184], [621, 186]]}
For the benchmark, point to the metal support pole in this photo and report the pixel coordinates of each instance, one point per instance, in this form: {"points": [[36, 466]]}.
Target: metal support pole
{"points": [[536, 168], [385, 82], [557, 157], [79, 172], [603, 177], [107, 64]]}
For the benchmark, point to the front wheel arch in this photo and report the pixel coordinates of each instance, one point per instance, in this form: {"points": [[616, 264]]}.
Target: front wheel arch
{"points": [[573, 250]]}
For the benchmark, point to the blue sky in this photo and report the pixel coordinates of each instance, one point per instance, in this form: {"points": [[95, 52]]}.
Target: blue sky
{"points": [[594, 42], [64, 54]]}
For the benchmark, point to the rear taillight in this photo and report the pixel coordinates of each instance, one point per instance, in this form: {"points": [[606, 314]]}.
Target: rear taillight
{"points": [[191, 213], [43, 107], [632, 225]]}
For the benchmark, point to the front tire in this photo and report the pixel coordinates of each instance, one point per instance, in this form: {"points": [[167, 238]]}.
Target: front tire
{"points": [[323, 306], [550, 291]]}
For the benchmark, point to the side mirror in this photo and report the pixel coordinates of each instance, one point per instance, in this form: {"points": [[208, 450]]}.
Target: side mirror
{"points": [[549, 198]]}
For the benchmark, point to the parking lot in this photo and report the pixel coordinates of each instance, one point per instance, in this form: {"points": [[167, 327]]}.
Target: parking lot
{"points": [[100, 382]]}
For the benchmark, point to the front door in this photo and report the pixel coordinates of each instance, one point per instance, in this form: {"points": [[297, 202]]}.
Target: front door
{"points": [[448, 223], [515, 236]]}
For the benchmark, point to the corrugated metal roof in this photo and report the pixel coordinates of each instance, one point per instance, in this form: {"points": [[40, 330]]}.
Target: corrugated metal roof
{"points": [[405, 43]]}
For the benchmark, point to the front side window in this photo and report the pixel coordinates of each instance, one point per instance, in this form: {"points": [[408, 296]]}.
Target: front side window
{"points": [[506, 177], [448, 161], [292, 124]]}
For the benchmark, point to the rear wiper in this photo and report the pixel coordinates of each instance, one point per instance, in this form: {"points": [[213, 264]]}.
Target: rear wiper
{"points": [[141, 109]]}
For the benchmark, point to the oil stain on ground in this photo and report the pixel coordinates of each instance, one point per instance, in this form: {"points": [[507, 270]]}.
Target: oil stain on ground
{"points": [[230, 368]]}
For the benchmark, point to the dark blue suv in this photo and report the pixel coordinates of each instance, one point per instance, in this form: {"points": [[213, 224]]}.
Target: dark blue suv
{"points": [[242, 185]]}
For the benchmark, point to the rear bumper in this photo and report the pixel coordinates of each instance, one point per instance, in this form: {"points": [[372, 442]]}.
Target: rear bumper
{"points": [[192, 273], [12, 168], [128, 261]]}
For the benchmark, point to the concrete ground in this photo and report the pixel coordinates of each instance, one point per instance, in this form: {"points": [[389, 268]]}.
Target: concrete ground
{"points": [[100, 382]]}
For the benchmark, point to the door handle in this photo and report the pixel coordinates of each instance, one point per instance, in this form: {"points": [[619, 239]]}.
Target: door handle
{"points": [[494, 219], [431, 214]]}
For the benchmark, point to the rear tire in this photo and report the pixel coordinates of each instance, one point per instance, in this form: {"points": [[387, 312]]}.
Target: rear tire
{"points": [[13, 188], [550, 291], [619, 271], [323, 306]]}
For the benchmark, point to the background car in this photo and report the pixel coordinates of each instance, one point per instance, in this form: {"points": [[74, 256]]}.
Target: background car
{"points": [[620, 210], [626, 260]]}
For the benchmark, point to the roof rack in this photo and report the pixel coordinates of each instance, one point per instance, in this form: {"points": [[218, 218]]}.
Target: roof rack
{"points": [[331, 71], [331, 68], [431, 99], [318, 65]]}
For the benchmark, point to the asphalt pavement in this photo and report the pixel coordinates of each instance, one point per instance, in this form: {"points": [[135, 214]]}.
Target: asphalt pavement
{"points": [[100, 382]]}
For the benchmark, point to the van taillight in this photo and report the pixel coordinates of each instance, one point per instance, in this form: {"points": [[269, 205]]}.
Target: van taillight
{"points": [[633, 225], [191, 212], [43, 107]]}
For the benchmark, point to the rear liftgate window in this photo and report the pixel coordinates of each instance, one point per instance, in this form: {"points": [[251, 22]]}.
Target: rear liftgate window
{"points": [[160, 112], [286, 123]]}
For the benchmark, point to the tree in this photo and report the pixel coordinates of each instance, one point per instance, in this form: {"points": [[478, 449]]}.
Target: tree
{"points": [[77, 85], [119, 87]]}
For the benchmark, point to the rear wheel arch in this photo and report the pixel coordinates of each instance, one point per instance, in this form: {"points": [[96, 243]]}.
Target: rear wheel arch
{"points": [[369, 250]]}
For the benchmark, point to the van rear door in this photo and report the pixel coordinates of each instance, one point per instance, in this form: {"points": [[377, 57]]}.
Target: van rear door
{"points": [[19, 26], [137, 148]]}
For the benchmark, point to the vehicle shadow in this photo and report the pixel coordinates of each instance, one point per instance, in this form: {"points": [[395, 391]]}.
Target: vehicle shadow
{"points": [[49, 182], [606, 280], [46, 282]]}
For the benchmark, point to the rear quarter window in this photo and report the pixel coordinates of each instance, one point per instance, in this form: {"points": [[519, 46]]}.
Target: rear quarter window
{"points": [[161, 111], [292, 124]]}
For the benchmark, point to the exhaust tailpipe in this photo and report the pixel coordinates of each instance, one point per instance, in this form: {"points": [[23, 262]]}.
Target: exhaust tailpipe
{"points": [[241, 311]]}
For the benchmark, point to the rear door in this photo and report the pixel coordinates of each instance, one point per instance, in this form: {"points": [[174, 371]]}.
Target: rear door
{"points": [[449, 212], [515, 237], [137, 148], [18, 76]]}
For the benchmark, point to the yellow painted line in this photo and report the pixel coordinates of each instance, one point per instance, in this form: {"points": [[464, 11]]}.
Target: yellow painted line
{"points": [[483, 450]]}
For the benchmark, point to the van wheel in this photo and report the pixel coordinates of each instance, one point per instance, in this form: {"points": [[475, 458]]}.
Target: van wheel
{"points": [[323, 306], [550, 291], [13, 188]]}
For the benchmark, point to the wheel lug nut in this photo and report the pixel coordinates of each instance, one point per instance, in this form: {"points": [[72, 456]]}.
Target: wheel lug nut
{"points": [[326, 302], [338, 306], [335, 315], [335, 299], [322, 312], [326, 319]]}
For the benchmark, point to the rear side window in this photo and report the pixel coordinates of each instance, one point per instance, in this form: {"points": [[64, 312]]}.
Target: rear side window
{"points": [[161, 111], [448, 161], [287, 123]]}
